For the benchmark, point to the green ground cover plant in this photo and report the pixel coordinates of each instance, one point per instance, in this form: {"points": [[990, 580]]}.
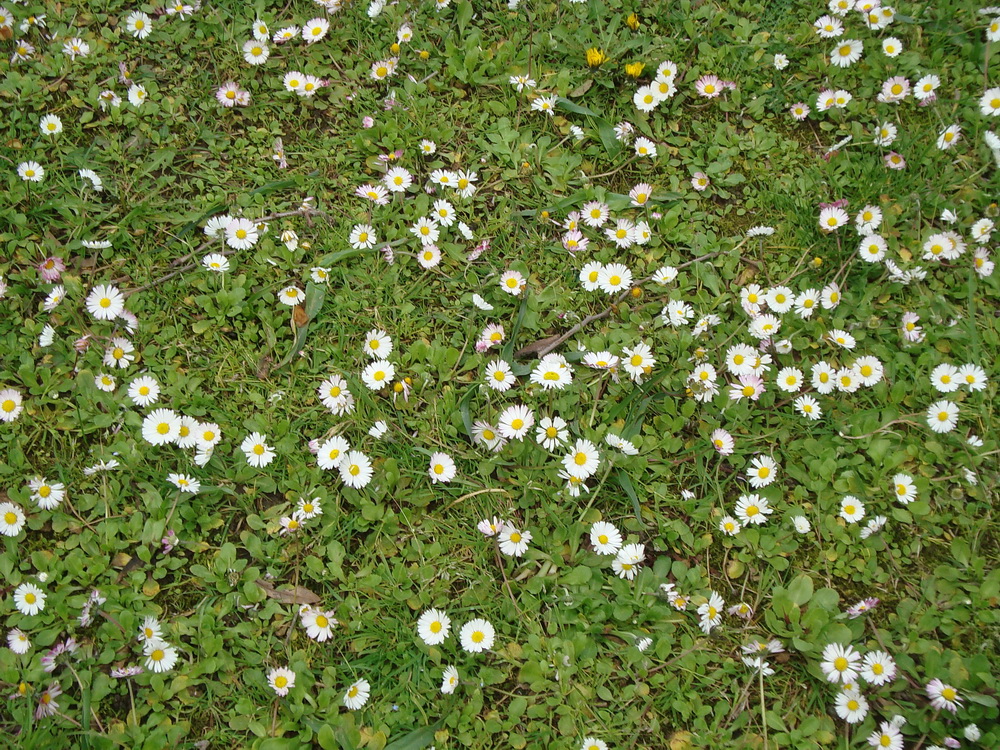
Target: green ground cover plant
{"points": [[535, 374]]}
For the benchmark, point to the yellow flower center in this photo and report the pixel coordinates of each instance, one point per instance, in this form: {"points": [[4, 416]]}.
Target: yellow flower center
{"points": [[580, 458], [515, 537], [163, 428], [439, 468], [258, 449], [551, 376], [845, 50], [752, 511], [280, 681], [241, 234], [10, 518], [354, 470], [321, 621], [478, 636], [436, 626], [949, 694], [840, 663], [748, 390], [710, 88], [763, 472], [897, 89]]}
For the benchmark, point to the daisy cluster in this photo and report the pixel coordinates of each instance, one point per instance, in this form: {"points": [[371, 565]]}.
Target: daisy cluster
{"points": [[763, 346]]}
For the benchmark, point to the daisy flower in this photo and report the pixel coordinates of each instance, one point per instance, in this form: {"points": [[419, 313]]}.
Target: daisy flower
{"points": [[46, 494], [12, 520], [10, 405], [627, 561], [852, 510], [942, 416], [29, 599], [711, 612], [546, 104], [512, 282], [18, 641], [185, 483], [449, 681], [645, 147], [605, 538], [377, 345], [582, 460], [723, 442], [614, 278], [397, 180], [356, 469], [832, 218], [318, 624], [357, 695], [729, 526], [433, 627], [943, 697], [515, 422], [477, 636], [551, 432], [763, 470], [552, 373], [708, 86], [590, 276], [851, 706], [808, 407], [846, 53], [513, 542], [973, 377], [378, 374], [314, 30], [442, 468], [989, 103], [50, 125], [878, 668], [281, 680], [840, 663], [637, 361], [105, 302], [949, 137], [499, 376], [258, 453], [752, 509], [138, 24]]}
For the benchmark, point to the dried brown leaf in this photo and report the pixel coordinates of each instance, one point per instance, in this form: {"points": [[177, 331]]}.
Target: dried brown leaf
{"points": [[293, 595]]}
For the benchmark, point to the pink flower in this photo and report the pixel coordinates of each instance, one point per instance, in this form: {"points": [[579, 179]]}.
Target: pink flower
{"points": [[709, 86], [895, 161], [231, 95], [367, 122], [51, 268]]}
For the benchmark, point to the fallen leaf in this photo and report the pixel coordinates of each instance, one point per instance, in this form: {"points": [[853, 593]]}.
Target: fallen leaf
{"points": [[293, 595], [299, 315], [535, 347]]}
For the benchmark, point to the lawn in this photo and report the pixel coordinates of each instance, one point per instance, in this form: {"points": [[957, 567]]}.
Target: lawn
{"points": [[464, 374]]}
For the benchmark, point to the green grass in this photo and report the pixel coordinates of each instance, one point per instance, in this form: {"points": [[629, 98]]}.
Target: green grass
{"points": [[565, 663]]}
